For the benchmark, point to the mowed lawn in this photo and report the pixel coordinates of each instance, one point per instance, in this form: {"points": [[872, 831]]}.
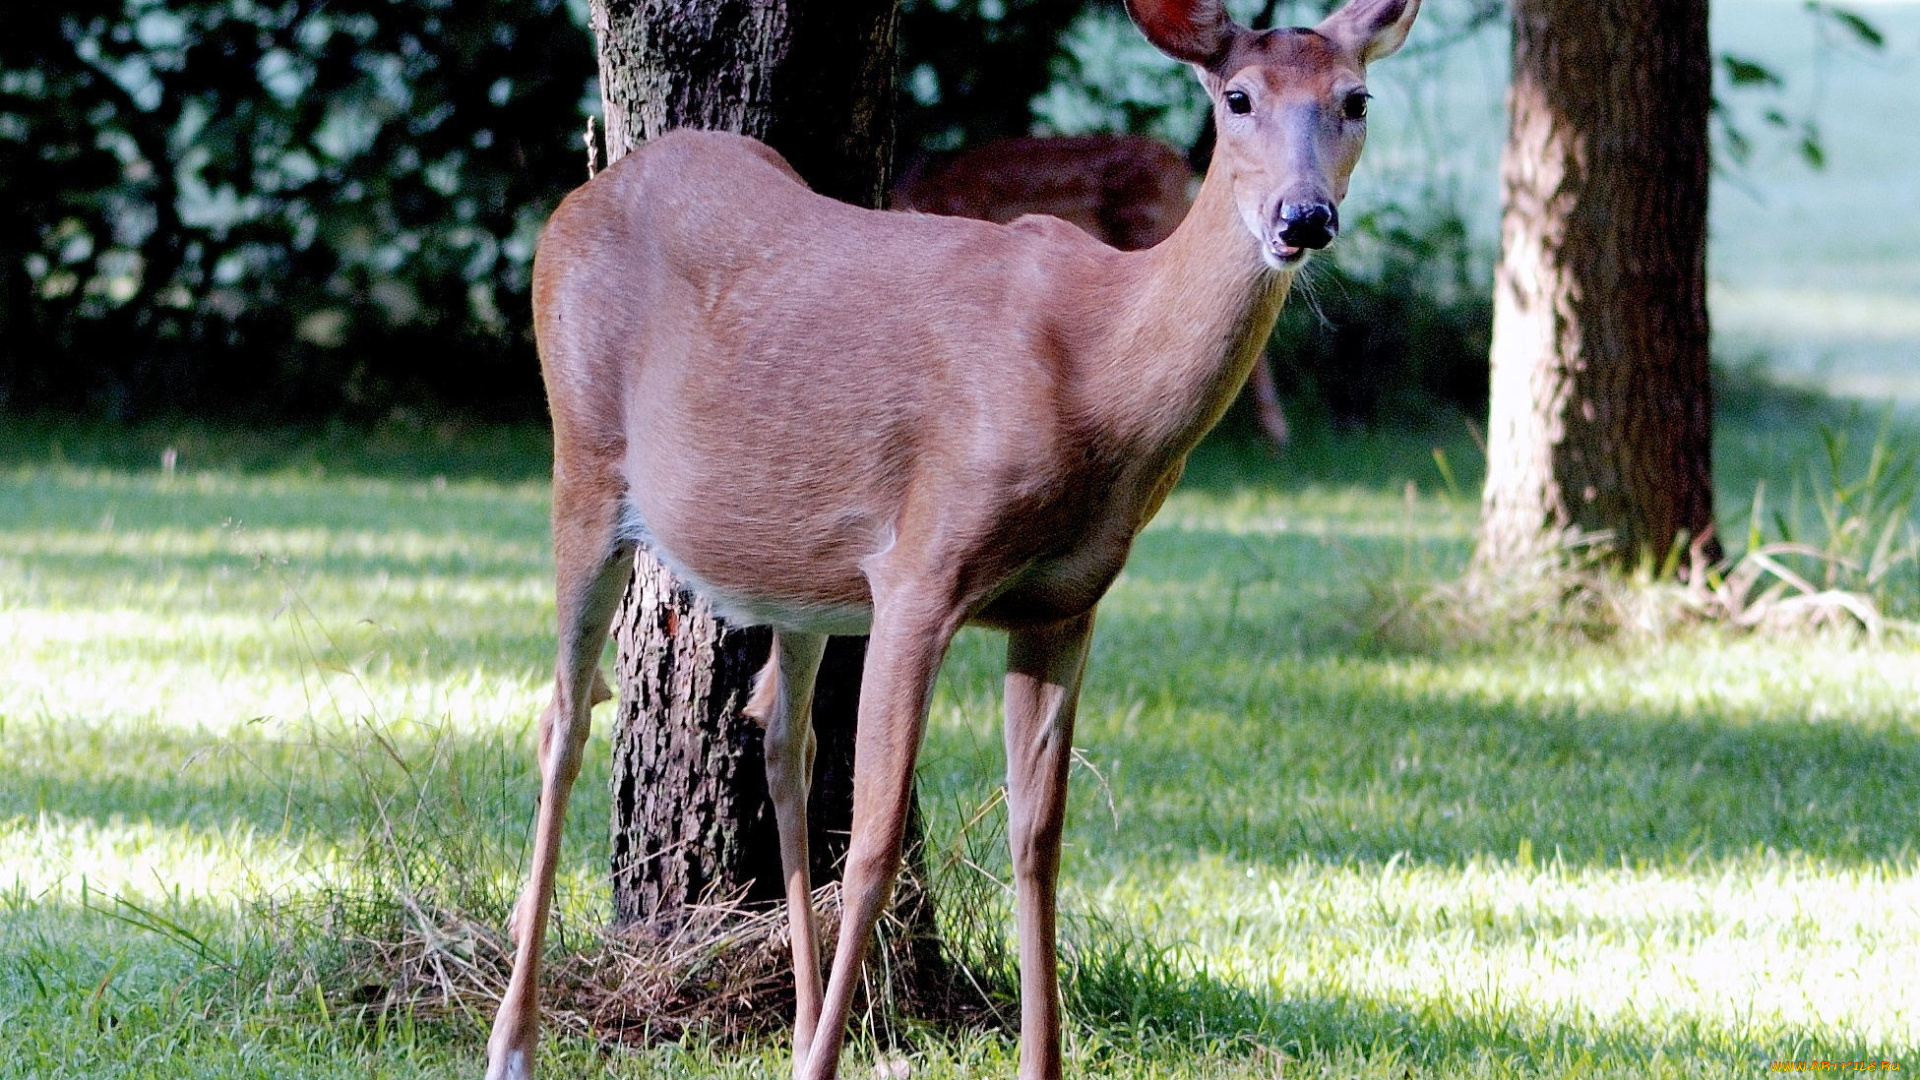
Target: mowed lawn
{"points": [[1290, 847]]}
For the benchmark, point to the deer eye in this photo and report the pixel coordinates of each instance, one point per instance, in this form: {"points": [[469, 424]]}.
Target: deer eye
{"points": [[1355, 107], [1238, 103]]}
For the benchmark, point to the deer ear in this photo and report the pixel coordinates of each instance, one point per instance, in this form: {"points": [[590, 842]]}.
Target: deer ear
{"points": [[1371, 29], [1196, 31]]}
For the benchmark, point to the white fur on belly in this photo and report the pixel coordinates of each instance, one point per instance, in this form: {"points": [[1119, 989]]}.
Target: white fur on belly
{"points": [[744, 609]]}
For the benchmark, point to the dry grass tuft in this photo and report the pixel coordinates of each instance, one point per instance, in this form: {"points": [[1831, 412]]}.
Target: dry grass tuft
{"points": [[723, 972], [417, 928], [1842, 553], [1572, 590], [421, 934]]}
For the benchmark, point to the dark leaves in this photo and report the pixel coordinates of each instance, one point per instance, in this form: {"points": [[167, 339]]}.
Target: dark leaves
{"points": [[193, 182], [1850, 22], [1745, 72]]}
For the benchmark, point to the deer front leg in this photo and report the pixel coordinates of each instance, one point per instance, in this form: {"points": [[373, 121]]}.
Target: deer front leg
{"points": [[903, 657], [783, 703], [591, 570], [1044, 666]]}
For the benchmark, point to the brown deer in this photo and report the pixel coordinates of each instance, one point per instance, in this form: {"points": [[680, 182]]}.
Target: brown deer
{"points": [[1129, 191], [834, 420]]}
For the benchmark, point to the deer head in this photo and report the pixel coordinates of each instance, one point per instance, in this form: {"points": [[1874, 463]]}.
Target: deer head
{"points": [[1290, 106]]}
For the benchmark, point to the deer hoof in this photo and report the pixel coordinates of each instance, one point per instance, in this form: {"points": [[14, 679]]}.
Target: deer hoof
{"points": [[513, 1064]]}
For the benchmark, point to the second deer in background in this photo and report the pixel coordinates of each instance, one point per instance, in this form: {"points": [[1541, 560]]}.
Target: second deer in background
{"points": [[1128, 191]]}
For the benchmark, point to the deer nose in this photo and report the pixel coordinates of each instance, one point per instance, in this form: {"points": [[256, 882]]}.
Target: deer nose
{"points": [[1308, 225]]}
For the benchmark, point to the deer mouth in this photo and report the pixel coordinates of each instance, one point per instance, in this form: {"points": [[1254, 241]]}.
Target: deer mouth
{"points": [[1280, 256]]}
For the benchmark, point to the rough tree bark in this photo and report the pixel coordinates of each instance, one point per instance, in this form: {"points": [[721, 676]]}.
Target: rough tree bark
{"points": [[691, 817], [814, 79], [1601, 401]]}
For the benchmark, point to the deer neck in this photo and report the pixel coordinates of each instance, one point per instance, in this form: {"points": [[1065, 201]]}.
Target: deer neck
{"points": [[1200, 308]]}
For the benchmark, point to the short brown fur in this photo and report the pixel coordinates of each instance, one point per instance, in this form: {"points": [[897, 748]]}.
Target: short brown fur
{"points": [[839, 420]]}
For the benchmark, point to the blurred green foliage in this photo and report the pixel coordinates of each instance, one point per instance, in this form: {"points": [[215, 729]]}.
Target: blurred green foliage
{"points": [[1393, 334], [970, 69], [301, 206]]}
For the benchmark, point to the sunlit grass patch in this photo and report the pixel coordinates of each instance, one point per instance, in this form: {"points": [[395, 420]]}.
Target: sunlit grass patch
{"points": [[1763, 949], [59, 856]]}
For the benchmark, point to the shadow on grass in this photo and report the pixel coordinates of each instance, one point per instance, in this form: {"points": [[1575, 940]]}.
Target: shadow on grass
{"points": [[1136, 996], [1127, 1003], [1256, 756], [1138, 1008], [1240, 750], [1273, 751], [45, 498], [1372, 460], [408, 448], [1261, 734], [363, 794], [309, 573]]}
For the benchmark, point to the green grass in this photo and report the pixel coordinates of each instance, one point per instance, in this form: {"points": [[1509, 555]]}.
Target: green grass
{"points": [[1646, 860]]}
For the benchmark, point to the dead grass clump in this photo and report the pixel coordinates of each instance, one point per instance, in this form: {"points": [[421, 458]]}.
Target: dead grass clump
{"points": [[417, 929], [1842, 553], [1572, 590], [421, 934], [723, 972]]}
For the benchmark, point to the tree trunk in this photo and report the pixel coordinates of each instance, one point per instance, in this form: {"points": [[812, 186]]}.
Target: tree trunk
{"points": [[814, 79], [1601, 401], [691, 816]]}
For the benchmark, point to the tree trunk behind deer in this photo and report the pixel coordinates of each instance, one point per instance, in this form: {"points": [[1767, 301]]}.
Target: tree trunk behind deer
{"points": [[1602, 405], [691, 816]]}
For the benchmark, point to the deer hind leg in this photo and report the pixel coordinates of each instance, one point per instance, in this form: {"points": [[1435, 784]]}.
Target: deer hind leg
{"points": [[783, 704], [591, 567], [903, 656], [1044, 667]]}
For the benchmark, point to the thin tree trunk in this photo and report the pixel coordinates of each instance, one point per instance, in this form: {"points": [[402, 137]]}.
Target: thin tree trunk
{"points": [[1601, 399], [691, 816]]}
